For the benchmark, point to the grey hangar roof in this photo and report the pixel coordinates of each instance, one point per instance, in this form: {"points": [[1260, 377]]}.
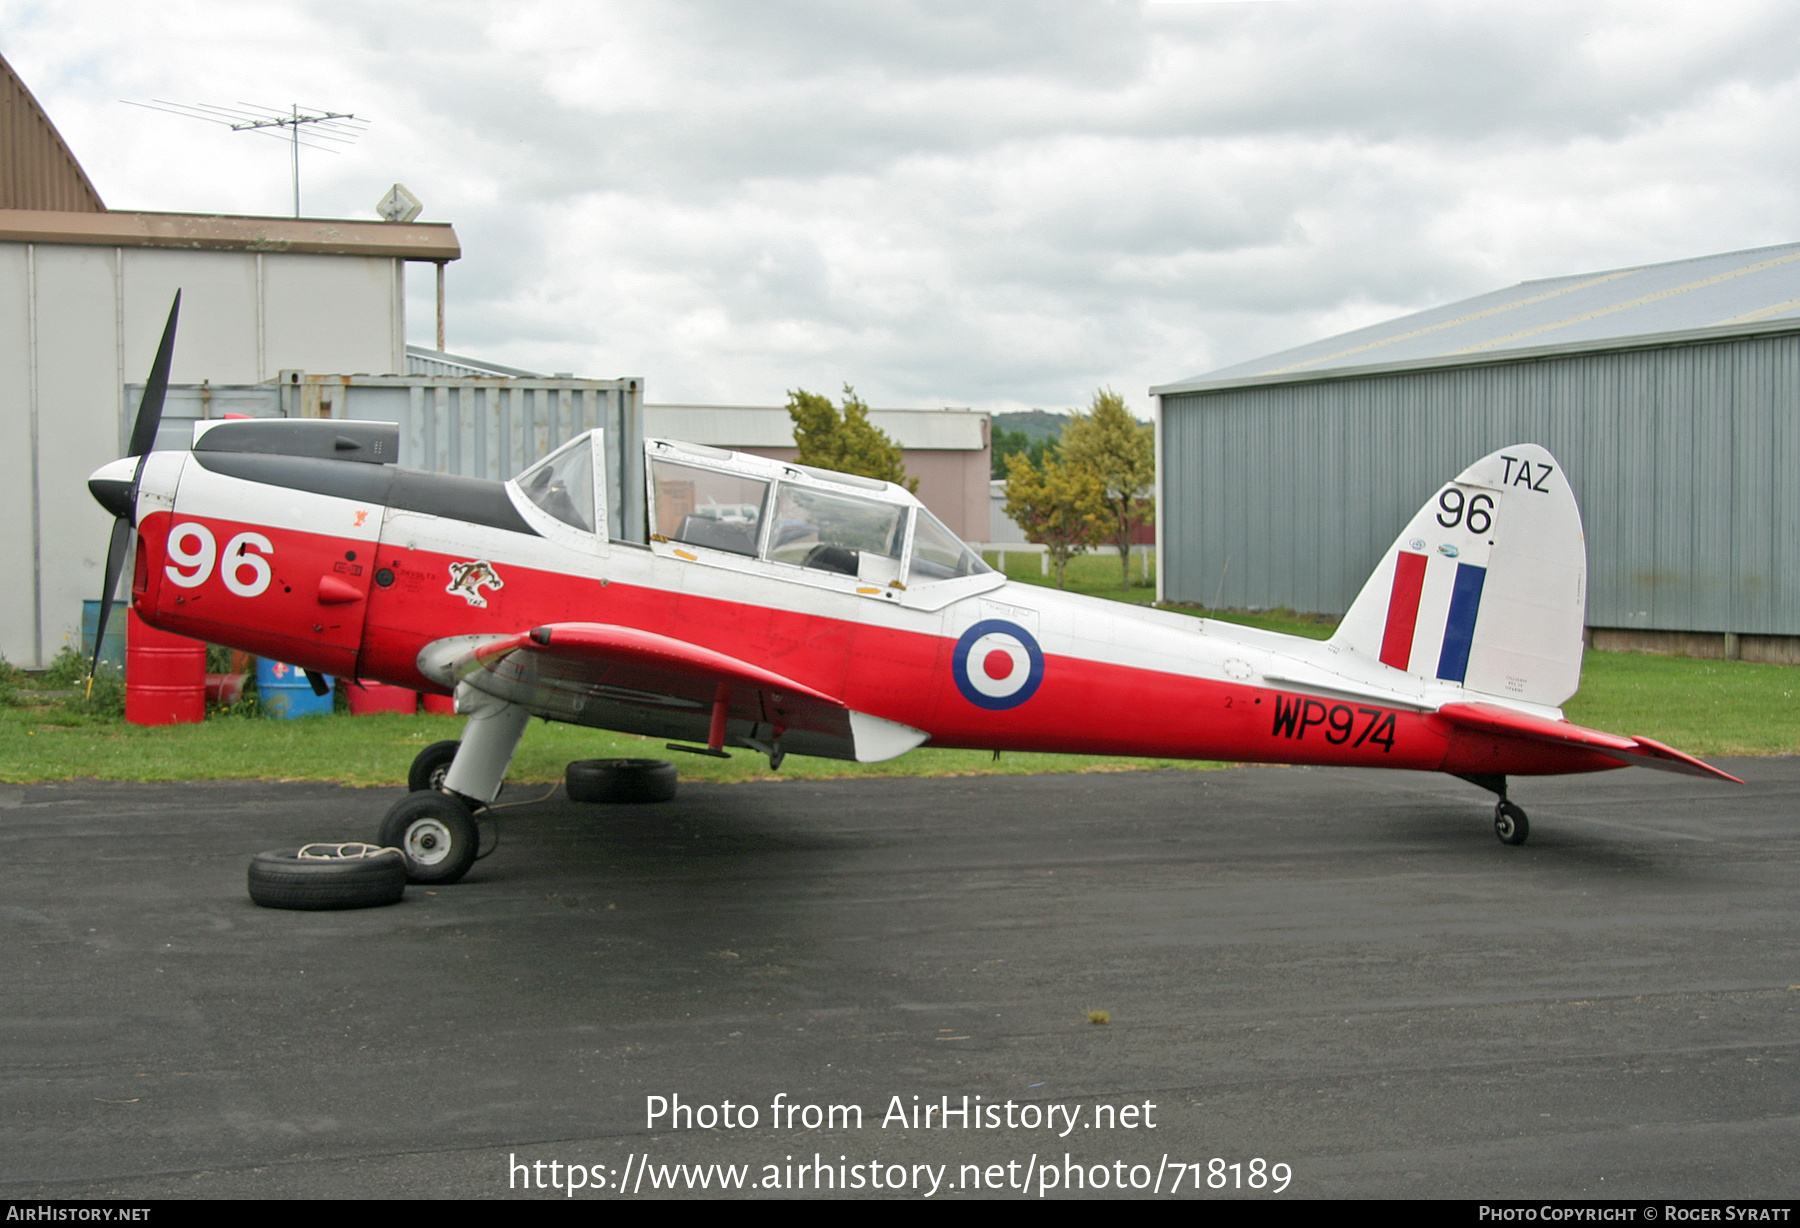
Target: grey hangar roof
{"points": [[1668, 393], [1728, 294]]}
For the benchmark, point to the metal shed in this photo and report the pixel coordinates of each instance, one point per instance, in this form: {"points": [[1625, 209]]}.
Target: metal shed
{"points": [[84, 293], [1669, 392]]}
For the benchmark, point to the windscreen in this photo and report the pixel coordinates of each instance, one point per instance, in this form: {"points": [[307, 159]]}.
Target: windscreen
{"points": [[563, 484], [938, 555]]}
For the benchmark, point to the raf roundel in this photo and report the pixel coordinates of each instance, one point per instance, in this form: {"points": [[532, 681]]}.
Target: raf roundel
{"points": [[997, 665]]}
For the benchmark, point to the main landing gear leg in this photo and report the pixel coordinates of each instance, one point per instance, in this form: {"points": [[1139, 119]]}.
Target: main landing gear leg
{"points": [[488, 742], [1510, 823], [435, 828]]}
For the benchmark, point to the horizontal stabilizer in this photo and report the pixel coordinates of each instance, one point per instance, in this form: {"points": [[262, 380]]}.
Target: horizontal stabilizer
{"points": [[1641, 752]]}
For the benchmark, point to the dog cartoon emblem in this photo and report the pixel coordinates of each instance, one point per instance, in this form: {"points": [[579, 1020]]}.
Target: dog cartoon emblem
{"points": [[467, 579]]}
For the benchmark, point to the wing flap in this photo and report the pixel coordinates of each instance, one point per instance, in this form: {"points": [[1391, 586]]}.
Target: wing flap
{"points": [[1642, 752]]}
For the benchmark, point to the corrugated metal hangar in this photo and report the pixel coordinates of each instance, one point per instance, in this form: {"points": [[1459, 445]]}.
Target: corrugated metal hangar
{"points": [[84, 292], [1669, 392]]}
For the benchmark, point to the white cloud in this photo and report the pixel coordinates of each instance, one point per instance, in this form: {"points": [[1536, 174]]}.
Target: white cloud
{"points": [[991, 204]]}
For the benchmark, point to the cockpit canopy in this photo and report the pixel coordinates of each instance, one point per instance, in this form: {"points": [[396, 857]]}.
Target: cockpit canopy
{"points": [[753, 507], [799, 516]]}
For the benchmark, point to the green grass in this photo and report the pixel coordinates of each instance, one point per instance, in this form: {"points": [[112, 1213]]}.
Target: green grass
{"points": [[1703, 707], [1096, 575]]}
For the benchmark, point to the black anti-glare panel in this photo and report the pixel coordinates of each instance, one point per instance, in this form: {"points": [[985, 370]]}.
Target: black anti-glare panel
{"points": [[373, 443], [476, 500]]}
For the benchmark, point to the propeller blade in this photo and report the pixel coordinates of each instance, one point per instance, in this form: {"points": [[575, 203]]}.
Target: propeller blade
{"points": [[149, 417], [115, 562], [143, 438]]}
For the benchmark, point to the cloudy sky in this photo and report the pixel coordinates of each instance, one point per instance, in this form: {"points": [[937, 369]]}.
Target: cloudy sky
{"points": [[1001, 205]]}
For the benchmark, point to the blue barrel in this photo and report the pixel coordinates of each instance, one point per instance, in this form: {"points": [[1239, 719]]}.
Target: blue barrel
{"points": [[113, 653], [285, 692]]}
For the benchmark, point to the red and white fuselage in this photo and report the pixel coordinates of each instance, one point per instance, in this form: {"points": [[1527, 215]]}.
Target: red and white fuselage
{"points": [[438, 583]]}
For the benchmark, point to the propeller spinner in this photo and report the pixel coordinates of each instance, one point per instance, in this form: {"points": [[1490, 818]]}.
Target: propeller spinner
{"points": [[118, 495]]}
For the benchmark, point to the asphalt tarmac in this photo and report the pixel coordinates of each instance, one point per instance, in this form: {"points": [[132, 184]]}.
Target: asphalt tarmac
{"points": [[1339, 972]]}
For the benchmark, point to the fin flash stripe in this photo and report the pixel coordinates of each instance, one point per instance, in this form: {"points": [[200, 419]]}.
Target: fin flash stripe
{"points": [[1403, 610], [1459, 629]]}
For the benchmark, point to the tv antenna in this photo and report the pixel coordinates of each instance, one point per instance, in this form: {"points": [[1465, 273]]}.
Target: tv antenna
{"points": [[326, 131]]}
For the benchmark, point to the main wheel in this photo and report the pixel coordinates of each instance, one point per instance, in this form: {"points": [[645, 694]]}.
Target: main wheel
{"points": [[282, 878], [1510, 824], [620, 780], [436, 833], [431, 766]]}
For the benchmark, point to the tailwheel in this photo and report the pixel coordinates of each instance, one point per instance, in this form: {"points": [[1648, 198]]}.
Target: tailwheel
{"points": [[1510, 824]]}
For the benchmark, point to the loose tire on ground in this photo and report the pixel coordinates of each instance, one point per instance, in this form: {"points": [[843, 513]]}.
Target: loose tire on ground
{"points": [[620, 780], [430, 766], [436, 832], [281, 878]]}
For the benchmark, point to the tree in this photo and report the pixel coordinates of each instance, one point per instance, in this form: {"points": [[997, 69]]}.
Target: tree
{"points": [[1059, 506], [1120, 451], [847, 442], [1004, 444]]}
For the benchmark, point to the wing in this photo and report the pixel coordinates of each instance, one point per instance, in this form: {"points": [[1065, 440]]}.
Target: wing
{"points": [[638, 681], [1643, 752]]}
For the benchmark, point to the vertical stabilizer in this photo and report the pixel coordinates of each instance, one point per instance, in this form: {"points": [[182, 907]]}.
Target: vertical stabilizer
{"points": [[1486, 588]]}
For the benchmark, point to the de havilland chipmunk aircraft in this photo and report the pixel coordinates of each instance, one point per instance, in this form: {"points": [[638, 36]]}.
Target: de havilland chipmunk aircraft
{"points": [[783, 609]]}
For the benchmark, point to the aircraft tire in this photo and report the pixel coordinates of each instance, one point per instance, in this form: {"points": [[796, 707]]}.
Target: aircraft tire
{"points": [[620, 780], [1510, 824], [436, 833], [281, 878], [430, 767]]}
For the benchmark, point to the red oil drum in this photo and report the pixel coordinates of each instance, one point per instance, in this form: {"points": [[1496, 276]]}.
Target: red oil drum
{"points": [[367, 698], [439, 705], [165, 676]]}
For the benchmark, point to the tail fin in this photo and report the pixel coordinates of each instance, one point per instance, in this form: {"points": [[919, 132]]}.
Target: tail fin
{"points": [[1486, 588]]}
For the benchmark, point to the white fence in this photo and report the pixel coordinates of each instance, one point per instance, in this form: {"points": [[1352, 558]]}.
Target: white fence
{"points": [[1145, 551]]}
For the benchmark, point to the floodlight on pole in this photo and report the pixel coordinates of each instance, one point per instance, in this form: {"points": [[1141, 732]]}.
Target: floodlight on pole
{"points": [[333, 127]]}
